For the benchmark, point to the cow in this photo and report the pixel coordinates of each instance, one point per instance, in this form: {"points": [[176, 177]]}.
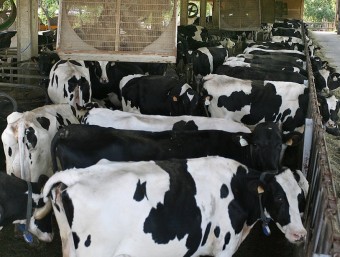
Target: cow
{"points": [[294, 40], [251, 102], [333, 82], [158, 95], [70, 83], [325, 77], [260, 51], [45, 61], [253, 73], [268, 65], [99, 71], [205, 60], [126, 120], [329, 109], [270, 60], [73, 145], [47, 39], [14, 205], [277, 45], [196, 36], [188, 207], [288, 23], [28, 135], [287, 32]]}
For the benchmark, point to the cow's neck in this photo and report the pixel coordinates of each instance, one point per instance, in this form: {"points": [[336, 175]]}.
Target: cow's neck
{"points": [[248, 198]]}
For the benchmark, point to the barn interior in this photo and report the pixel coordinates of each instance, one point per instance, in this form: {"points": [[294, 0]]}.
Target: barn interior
{"points": [[94, 30]]}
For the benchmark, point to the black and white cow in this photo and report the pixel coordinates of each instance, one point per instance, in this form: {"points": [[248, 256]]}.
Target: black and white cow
{"points": [[135, 121], [325, 77], [73, 146], [70, 83], [14, 205], [205, 60], [277, 45], [329, 109], [191, 207], [28, 135], [260, 51], [99, 75], [268, 65], [253, 73], [196, 36], [288, 23], [251, 102], [158, 95], [268, 60], [287, 32]]}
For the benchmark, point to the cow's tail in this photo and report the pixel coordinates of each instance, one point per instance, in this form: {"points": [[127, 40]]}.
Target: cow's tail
{"points": [[54, 186], [54, 145], [64, 179], [24, 169]]}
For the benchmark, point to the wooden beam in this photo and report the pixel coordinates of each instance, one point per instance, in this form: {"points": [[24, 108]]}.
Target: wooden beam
{"points": [[184, 12], [216, 14], [203, 12]]}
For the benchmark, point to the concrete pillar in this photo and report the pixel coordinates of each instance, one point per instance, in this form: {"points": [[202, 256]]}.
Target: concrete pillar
{"points": [[27, 29]]}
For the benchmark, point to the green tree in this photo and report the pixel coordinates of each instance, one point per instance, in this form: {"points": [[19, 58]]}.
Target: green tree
{"points": [[47, 10], [319, 10]]}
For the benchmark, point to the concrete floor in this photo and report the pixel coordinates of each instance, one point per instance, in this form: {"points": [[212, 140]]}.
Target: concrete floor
{"points": [[330, 46]]}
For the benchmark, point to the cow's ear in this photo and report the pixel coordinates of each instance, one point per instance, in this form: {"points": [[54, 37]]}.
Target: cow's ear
{"points": [[292, 139]]}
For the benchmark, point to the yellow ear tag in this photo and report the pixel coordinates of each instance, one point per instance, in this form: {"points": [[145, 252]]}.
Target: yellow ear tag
{"points": [[174, 98], [207, 100], [260, 190], [289, 142]]}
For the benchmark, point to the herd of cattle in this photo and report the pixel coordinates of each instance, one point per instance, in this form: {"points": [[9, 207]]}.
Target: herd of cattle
{"points": [[139, 159]]}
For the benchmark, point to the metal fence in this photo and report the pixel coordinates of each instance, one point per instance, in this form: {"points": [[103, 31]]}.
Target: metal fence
{"points": [[321, 26], [321, 213]]}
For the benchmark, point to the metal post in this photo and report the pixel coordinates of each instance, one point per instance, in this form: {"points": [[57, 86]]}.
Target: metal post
{"points": [[307, 145]]}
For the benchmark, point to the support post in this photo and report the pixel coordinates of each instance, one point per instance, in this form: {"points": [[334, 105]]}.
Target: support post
{"points": [[184, 12], [27, 29], [203, 13]]}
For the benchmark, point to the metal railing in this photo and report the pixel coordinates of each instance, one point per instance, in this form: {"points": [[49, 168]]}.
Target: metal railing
{"points": [[321, 213], [321, 26]]}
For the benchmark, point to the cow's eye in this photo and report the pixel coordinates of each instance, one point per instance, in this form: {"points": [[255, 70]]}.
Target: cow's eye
{"points": [[279, 200]]}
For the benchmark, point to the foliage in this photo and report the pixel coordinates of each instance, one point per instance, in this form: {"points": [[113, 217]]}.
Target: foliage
{"points": [[47, 10], [319, 10]]}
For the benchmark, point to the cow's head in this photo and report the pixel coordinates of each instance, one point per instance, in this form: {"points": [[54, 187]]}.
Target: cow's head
{"points": [[284, 197], [99, 70], [329, 108], [333, 81], [24, 140], [45, 62], [184, 100], [14, 205], [265, 145]]}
